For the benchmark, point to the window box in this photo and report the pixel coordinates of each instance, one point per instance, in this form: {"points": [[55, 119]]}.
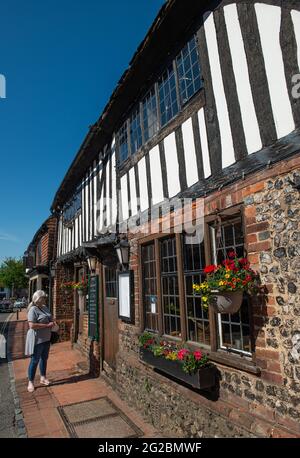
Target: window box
{"points": [[202, 379]]}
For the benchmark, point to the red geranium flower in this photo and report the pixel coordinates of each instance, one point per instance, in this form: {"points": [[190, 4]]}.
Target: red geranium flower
{"points": [[197, 355], [232, 254], [182, 353], [209, 269]]}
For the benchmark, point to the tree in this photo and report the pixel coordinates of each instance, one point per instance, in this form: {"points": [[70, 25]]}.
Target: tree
{"points": [[12, 274]]}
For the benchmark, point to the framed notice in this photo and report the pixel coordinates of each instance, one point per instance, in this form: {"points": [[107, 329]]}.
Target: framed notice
{"points": [[125, 287], [93, 307]]}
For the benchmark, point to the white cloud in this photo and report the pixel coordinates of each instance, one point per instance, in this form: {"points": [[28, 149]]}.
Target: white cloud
{"points": [[8, 237]]}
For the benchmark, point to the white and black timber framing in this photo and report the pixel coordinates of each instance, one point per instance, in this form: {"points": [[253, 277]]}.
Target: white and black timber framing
{"points": [[243, 117]]}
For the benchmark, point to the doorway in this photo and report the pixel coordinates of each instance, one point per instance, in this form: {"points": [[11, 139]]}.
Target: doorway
{"points": [[111, 333]]}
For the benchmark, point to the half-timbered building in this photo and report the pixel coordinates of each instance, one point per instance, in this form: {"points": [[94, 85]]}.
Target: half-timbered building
{"points": [[39, 256], [205, 119]]}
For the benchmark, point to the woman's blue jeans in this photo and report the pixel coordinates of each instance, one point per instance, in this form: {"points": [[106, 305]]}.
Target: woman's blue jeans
{"points": [[40, 355]]}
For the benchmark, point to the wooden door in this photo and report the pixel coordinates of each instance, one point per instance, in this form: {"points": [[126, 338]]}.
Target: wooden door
{"points": [[111, 332], [79, 307]]}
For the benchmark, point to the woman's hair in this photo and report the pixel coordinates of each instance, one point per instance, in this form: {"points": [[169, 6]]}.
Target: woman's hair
{"points": [[36, 297]]}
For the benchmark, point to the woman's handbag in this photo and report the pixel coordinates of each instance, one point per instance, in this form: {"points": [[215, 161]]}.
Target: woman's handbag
{"points": [[54, 337], [54, 334]]}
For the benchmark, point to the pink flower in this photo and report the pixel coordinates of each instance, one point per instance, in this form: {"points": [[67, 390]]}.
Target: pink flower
{"points": [[197, 355], [182, 353]]}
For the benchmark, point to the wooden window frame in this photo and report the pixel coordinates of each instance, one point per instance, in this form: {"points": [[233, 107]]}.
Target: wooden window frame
{"points": [[238, 361]]}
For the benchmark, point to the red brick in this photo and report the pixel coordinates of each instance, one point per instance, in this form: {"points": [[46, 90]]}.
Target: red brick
{"points": [[251, 238], [259, 227], [270, 311], [288, 423], [271, 300], [261, 363], [278, 433], [272, 377], [241, 418], [223, 408], [253, 259], [267, 354], [274, 366], [269, 287], [250, 220], [257, 187], [262, 411], [250, 211], [262, 429], [260, 343], [236, 400], [260, 246]]}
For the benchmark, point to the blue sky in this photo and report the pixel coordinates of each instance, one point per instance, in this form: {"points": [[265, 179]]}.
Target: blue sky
{"points": [[61, 60]]}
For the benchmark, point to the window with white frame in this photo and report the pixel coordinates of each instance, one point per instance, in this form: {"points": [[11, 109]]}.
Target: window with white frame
{"points": [[233, 329]]}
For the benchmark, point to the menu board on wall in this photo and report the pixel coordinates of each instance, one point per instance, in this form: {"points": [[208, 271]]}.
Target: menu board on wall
{"points": [[94, 307]]}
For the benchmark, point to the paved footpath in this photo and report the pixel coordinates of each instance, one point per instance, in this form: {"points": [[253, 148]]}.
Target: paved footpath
{"points": [[7, 408], [69, 385]]}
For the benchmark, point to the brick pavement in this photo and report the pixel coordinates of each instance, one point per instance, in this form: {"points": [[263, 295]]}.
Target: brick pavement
{"points": [[69, 385]]}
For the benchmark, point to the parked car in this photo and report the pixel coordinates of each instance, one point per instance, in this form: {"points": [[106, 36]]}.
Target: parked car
{"points": [[20, 303], [6, 306]]}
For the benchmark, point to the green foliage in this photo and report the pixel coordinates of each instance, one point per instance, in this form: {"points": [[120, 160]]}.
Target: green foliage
{"points": [[146, 339], [190, 360], [12, 274]]}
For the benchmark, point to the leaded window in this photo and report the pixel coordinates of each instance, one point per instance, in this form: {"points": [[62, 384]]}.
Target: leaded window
{"points": [[73, 206], [123, 142], [150, 117], [150, 287], [167, 95], [111, 282], [135, 131], [170, 288], [233, 329], [198, 329], [188, 68]]}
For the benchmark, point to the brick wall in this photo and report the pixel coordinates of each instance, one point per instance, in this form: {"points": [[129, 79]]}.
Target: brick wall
{"points": [[266, 405]]}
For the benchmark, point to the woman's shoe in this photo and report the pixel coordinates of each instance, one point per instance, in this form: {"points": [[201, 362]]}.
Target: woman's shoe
{"points": [[44, 381], [30, 387]]}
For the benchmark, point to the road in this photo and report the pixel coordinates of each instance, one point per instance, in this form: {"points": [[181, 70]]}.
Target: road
{"points": [[7, 410]]}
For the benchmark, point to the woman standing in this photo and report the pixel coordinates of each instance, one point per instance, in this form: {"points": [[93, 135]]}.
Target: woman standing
{"points": [[38, 337]]}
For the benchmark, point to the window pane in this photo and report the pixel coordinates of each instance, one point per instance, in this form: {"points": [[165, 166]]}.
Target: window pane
{"points": [[194, 263], [150, 119], [150, 287], [111, 282], [123, 142], [167, 95], [188, 67], [235, 328], [135, 131], [170, 287], [73, 206]]}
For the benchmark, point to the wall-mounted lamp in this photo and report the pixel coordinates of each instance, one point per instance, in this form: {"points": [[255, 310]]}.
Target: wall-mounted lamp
{"points": [[92, 263], [52, 270], [122, 250]]}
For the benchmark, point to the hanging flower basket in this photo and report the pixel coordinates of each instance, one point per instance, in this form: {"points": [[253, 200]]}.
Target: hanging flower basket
{"points": [[226, 283], [67, 287], [226, 301]]}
